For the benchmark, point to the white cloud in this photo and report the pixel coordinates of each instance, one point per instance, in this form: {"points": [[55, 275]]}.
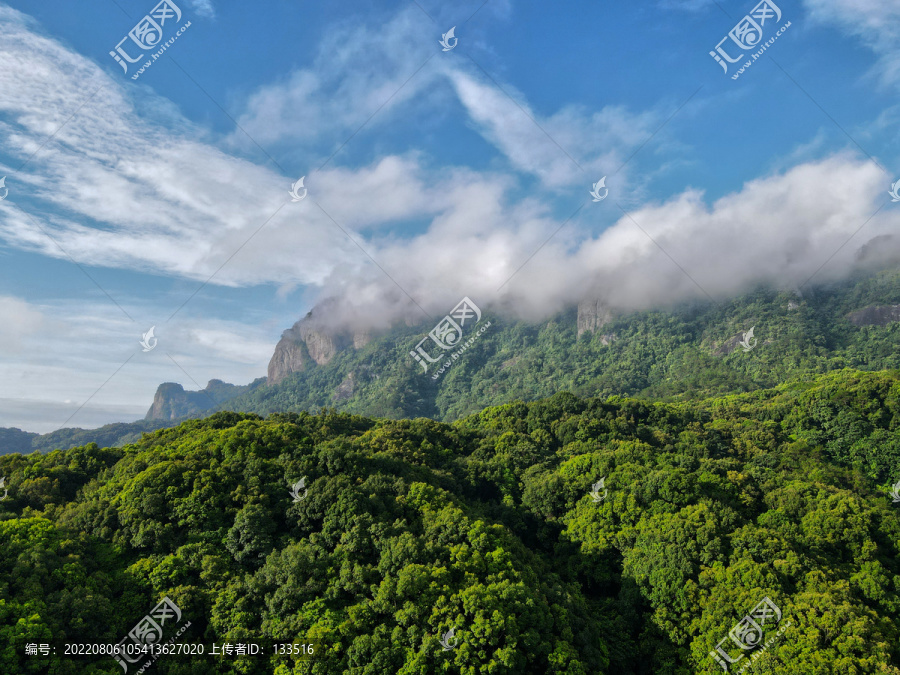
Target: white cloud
{"points": [[874, 22], [203, 8], [778, 230], [229, 342], [568, 147], [361, 68], [89, 355], [18, 322]]}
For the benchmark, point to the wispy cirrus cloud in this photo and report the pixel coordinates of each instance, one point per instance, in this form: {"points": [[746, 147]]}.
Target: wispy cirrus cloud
{"points": [[876, 24], [203, 8], [562, 149], [361, 67]]}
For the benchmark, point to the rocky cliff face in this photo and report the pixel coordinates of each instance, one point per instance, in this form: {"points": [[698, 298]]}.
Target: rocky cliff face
{"points": [[876, 315], [311, 341], [320, 344], [592, 315], [290, 356]]}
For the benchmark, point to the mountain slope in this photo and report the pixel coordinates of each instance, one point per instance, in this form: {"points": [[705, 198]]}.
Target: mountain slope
{"points": [[690, 351]]}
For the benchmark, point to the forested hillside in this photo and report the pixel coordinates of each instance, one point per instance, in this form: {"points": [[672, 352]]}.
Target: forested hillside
{"points": [[113, 435], [568, 535], [689, 351]]}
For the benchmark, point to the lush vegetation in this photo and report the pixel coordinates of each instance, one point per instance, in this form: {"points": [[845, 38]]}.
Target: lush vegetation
{"points": [[413, 527], [673, 354]]}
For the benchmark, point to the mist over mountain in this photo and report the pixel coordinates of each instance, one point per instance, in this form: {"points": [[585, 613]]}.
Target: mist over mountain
{"points": [[538, 338], [692, 349], [783, 231]]}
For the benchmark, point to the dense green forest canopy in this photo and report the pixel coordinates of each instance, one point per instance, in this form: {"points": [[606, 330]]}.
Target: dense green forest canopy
{"points": [[408, 529]]}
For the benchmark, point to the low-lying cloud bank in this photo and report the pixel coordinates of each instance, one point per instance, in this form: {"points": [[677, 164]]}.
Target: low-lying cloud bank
{"points": [[785, 230]]}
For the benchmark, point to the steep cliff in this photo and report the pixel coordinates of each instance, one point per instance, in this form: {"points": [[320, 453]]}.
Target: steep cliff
{"points": [[592, 315], [290, 356], [311, 341]]}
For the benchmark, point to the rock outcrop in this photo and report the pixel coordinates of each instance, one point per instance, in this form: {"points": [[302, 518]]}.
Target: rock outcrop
{"points": [[875, 315], [728, 346], [311, 341], [345, 389], [592, 315], [290, 356], [172, 402], [320, 345]]}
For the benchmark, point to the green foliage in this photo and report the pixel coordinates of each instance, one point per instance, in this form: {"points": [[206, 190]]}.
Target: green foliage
{"points": [[412, 528]]}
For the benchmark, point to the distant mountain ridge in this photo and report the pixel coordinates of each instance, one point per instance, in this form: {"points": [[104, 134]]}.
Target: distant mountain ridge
{"points": [[688, 351], [108, 436], [172, 402], [693, 350]]}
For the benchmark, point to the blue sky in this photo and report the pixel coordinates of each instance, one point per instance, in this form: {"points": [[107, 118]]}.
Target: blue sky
{"points": [[163, 200]]}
